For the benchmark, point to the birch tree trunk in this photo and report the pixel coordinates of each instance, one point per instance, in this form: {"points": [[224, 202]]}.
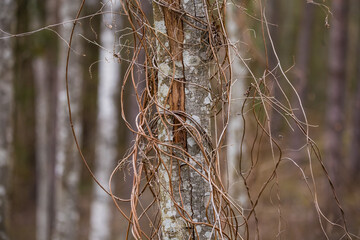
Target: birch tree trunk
{"points": [[235, 146], [184, 76], [107, 124], [68, 162], [42, 174], [7, 12], [335, 112], [46, 107]]}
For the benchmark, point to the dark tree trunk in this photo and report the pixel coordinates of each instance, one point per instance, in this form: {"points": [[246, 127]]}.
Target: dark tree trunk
{"points": [[273, 18], [23, 172], [7, 10]]}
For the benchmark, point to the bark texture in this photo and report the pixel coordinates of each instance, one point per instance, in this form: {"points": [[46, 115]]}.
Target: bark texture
{"points": [[184, 69], [335, 112], [7, 12], [107, 124], [68, 162]]}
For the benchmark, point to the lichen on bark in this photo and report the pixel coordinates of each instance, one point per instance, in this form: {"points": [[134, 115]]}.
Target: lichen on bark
{"points": [[184, 108]]}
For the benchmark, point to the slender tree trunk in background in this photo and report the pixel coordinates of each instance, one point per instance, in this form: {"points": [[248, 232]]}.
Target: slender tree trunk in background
{"points": [[355, 142], [42, 174], [304, 49], [273, 18], [302, 74], [46, 107], [192, 65], [107, 124], [68, 162], [52, 59], [235, 147], [286, 12], [336, 87], [23, 203], [7, 12]]}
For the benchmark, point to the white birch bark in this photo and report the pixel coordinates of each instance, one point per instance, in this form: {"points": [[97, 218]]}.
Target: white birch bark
{"points": [[235, 148], [68, 162], [7, 11], [107, 124], [193, 67]]}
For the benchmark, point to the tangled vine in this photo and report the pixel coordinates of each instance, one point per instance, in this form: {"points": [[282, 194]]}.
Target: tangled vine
{"points": [[178, 156]]}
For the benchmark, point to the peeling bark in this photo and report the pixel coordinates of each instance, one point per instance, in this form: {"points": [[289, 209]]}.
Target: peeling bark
{"points": [[7, 12], [184, 69], [173, 226], [67, 169]]}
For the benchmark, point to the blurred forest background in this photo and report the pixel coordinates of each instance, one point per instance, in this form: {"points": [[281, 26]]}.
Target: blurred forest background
{"points": [[43, 174]]}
